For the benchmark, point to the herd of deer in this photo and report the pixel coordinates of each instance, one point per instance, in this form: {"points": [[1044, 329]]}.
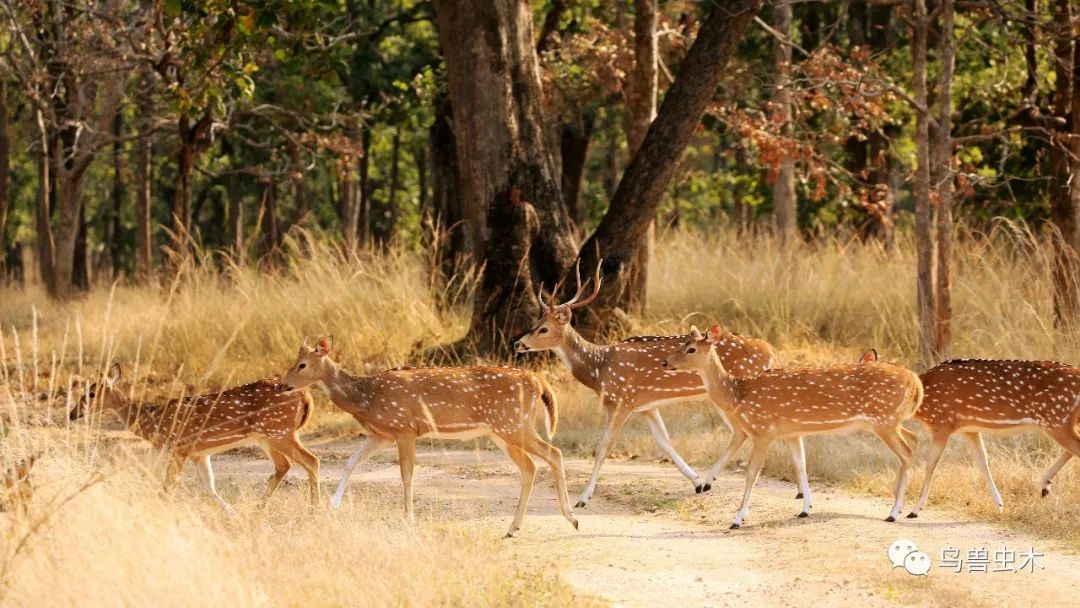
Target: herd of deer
{"points": [[639, 375]]}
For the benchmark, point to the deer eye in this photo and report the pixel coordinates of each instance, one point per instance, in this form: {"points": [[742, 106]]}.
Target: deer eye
{"points": [[91, 394], [301, 366], [543, 330], [691, 350]]}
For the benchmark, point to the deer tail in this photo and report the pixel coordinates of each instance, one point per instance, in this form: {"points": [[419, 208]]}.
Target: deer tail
{"points": [[551, 410]]}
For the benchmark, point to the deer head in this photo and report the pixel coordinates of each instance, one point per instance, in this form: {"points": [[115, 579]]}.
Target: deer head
{"points": [[104, 395], [694, 355], [555, 318], [311, 366]]}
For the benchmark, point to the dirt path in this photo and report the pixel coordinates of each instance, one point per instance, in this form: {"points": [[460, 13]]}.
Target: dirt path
{"points": [[630, 556]]}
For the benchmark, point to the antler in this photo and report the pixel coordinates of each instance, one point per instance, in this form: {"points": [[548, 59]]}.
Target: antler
{"points": [[544, 307], [573, 302]]}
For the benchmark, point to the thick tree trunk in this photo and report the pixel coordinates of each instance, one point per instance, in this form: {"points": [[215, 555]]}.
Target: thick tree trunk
{"points": [[921, 192], [271, 234], [1063, 212], [642, 90], [43, 211], [507, 175], [574, 151], [785, 204], [639, 193], [943, 176], [299, 185], [449, 235], [5, 170]]}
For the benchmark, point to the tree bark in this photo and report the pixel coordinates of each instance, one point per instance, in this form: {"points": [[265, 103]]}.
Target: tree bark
{"points": [[1063, 212], [785, 204], [299, 185], [144, 177], [5, 170], [363, 189], [194, 139], [634, 204], [921, 191], [507, 176], [271, 234], [944, 186], [43, 210], [574, 151], [395, 185], [449, 236], [642, 90]]}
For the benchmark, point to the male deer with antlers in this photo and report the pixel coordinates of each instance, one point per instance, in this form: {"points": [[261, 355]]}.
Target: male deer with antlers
{"points": [[628, 378], [973, 396], [194, 428], [401, 405], [781, 403]]}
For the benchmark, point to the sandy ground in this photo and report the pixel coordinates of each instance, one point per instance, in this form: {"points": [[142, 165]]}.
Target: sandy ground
{"points": [[637, 547]]}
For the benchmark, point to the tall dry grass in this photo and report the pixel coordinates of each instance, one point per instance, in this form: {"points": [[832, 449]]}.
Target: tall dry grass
{"points": [[818, 303]]}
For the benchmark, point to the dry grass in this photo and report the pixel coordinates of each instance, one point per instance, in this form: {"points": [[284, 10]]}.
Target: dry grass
{"points": [[821, 303]]}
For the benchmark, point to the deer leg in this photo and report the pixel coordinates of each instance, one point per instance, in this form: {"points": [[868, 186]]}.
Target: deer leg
{"points": [[1048, 476], [798, 458], [738, 437], [1070, 440], [282, 464], [551, 454], [757, 461], [406, 446], [893, 440], [370, 448], [978, 450], [660, 434], [937, 448], [295, 451], [206, 475], [616, 420], [528, 476]]}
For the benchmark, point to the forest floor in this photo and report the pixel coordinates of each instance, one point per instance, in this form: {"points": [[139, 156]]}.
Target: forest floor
{"points": [[646, 540]]}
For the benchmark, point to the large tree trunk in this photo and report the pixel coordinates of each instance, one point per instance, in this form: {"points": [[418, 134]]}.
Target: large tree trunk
{"points": [[921, 191], [639, 193], [1062, 210], [43, 209], [574, 152], [943, 178], [5, 170], [641, 95], [506, 172], [144, 180], [271, 234], [299, 185], [449, 235], [785, 204]]}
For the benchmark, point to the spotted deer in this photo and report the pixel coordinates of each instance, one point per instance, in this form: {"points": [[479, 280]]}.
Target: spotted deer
{"points": [[782, 403], [628, 378], [402, 405], [975, 396], [194, 428]]}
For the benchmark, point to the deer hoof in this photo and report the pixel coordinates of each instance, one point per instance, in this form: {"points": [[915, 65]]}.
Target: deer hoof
{"points": [[699, 488], [890, 518], [798, 496], [580, 504], [735, 526], [912, 515], [1045, 492], [803, 514], [706, 487]]}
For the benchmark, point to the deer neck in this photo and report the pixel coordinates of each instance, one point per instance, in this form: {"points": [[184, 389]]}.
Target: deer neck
{"points": [[721, 386], [582, 357], [143, 419], [348, 391]]}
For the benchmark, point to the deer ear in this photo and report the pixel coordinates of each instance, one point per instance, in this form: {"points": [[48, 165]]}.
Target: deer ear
{"points": [[325, 344], [114, 373], [869, 357], [714, 334], [695, 333]]}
